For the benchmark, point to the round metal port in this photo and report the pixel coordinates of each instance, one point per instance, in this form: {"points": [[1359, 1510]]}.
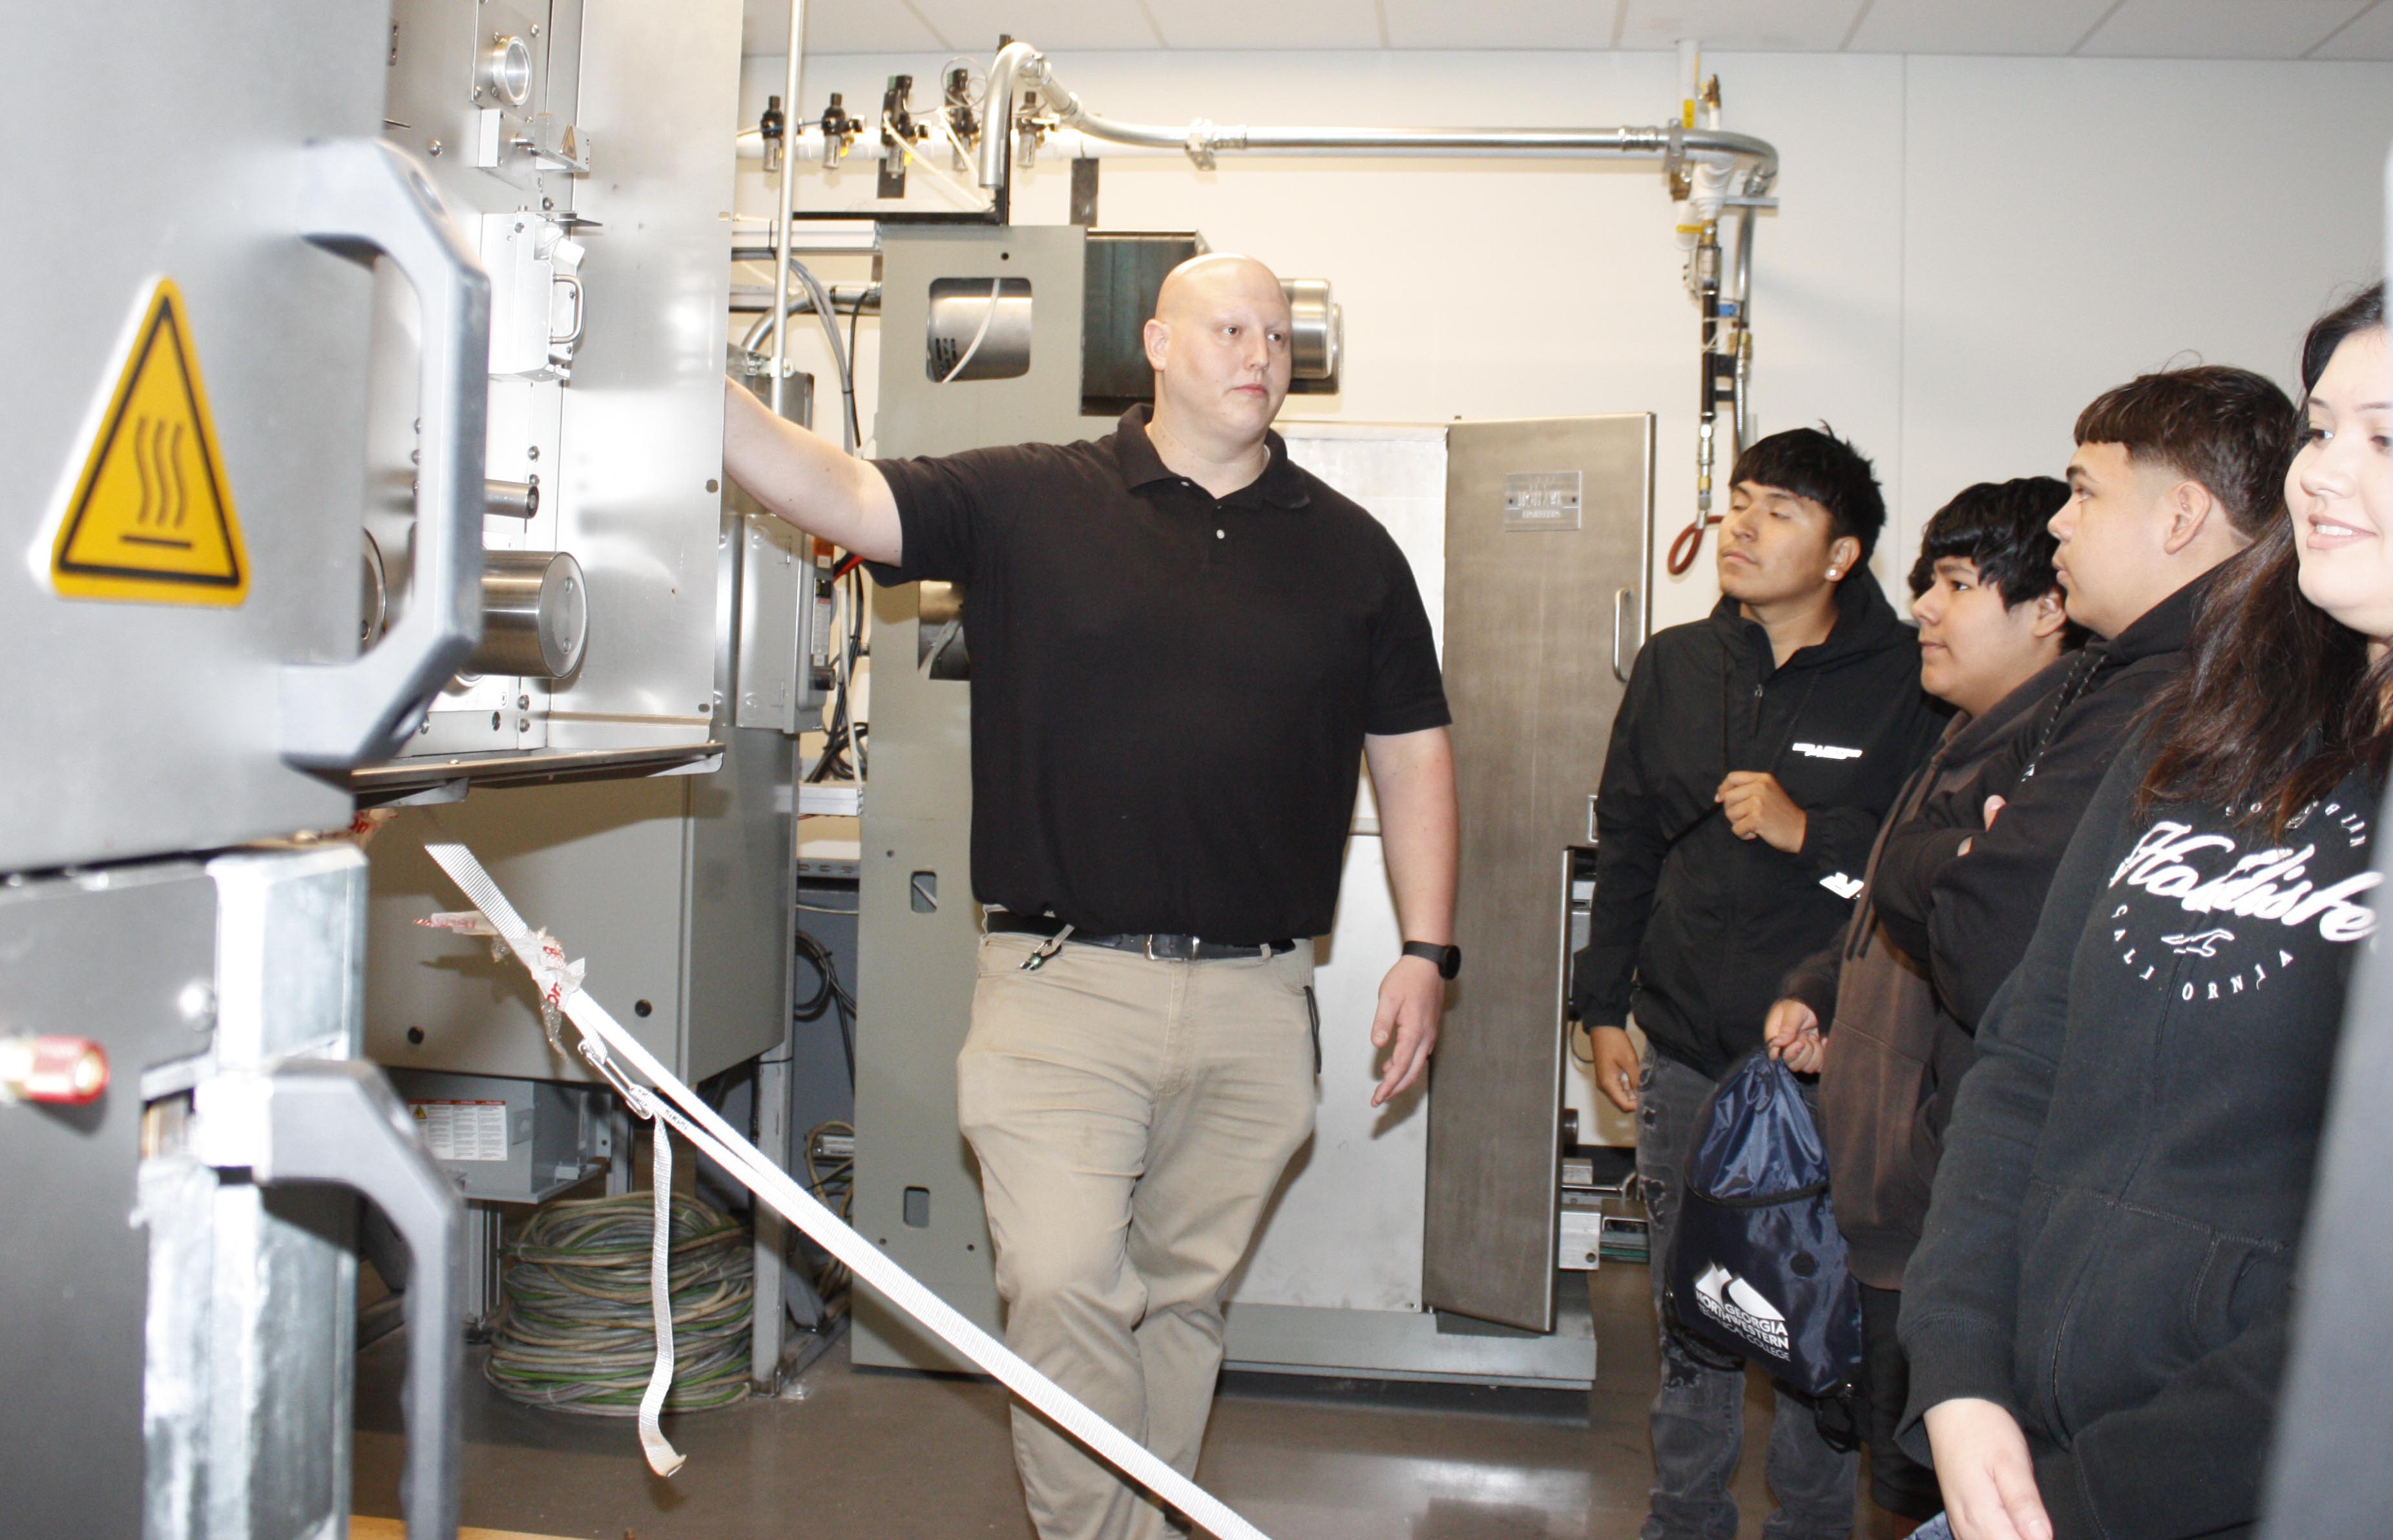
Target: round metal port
{"points": [[506, 71], [535, 615]]}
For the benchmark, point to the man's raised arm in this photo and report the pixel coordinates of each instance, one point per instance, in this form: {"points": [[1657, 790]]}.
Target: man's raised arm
{"points": [[807, 480]]}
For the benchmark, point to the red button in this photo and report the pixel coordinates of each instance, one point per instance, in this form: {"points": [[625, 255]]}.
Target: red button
{"points": [[65, 1071]]}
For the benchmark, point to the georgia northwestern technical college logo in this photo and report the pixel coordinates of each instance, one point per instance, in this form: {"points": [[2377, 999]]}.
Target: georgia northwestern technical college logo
{"points": [[2233, 925], [1738, 1306]]}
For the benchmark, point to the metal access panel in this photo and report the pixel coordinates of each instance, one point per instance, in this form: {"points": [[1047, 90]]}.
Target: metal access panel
{"points": [[919, 925], [585, 147], [1547, 534], [147, 725], [677, 889]]}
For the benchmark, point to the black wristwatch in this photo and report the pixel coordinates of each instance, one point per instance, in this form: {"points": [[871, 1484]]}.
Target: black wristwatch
{"points": [[1448, 959]]}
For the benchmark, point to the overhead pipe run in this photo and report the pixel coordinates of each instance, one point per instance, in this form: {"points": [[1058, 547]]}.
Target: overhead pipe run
{"points": [[1708, 169]]}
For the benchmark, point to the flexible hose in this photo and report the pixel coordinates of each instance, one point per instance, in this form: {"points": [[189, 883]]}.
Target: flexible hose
{"points": [[823, 309], [996, 293], [574, 1331]]}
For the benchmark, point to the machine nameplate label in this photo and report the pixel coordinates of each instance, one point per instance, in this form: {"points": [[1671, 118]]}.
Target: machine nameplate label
{"points": [[1541, 500], [152, 517]]}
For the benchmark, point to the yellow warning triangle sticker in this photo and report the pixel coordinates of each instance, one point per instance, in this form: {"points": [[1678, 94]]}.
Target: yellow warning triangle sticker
{"points": [[151, 519]]}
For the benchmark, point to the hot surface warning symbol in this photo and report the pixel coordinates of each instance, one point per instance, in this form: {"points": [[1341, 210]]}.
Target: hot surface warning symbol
{"points": [[152, 517]]}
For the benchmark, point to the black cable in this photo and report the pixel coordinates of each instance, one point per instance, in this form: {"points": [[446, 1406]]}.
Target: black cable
{"points": [[833, 994], [855, 430]]}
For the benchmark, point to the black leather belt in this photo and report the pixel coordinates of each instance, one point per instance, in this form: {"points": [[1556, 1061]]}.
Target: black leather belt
{"points": [[1155, 947]]}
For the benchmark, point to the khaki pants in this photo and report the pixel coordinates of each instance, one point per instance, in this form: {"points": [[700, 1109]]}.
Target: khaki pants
{"points": [[1131, 1118]]}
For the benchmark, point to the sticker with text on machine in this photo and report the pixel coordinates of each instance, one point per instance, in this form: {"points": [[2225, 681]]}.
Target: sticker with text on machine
{"points": [[151, 519]]}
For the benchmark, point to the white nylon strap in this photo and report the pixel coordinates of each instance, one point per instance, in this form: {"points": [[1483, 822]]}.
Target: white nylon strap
{"points": [[663, 1458], [605, 1043]]}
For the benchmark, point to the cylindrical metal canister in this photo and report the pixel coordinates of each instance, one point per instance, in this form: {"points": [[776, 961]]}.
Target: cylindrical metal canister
{"points": [[535, 615]]}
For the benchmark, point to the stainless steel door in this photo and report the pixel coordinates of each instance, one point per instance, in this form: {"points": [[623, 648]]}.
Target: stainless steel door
{"points": [[1546, 543]]}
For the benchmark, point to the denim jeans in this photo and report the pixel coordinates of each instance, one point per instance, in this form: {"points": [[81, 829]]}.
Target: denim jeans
{"points": [[1698, 1415]]}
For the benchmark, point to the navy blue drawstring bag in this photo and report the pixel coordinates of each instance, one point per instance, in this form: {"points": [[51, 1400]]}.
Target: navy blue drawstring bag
{"points": [[1757, 1268]]}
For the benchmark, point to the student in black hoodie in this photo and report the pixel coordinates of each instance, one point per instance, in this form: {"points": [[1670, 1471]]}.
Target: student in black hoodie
{"points": [[1750, 764], [2096, 1318], [2174, 473], [1861, 1013]]}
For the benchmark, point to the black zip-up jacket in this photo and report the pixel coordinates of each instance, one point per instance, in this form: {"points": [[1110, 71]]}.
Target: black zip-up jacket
{"points": [[1692, 926], [1969, 917], [1895, 1056], [2110, 1253]]}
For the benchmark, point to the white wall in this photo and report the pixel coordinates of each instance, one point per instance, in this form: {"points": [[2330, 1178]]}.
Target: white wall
{"points": [[1968, 248]]}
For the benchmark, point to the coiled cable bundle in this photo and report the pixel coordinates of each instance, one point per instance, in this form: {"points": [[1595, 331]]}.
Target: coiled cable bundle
{"points": [[575, 1331]]}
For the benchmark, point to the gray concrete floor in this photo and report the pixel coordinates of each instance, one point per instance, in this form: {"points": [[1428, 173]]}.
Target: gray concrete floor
{"points": [[878, 1454]]}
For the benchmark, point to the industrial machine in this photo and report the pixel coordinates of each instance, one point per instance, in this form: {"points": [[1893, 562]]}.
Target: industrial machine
{"points": [[180, 1089], [329, 495]]}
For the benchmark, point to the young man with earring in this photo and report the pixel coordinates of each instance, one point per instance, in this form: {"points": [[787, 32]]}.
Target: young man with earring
{"points": [[1750, 764]]}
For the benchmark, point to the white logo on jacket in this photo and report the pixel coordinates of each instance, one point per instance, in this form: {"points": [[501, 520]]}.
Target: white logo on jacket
{"points": [[2266, 885], [1826, 750], [2202, 873]]}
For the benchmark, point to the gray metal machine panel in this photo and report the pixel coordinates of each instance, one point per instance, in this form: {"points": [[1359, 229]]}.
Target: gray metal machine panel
{"points": [[919, 415], [600, 863], [1532, 594], [640, 500], [436, 97], [141, 728], [915, 1003], [742, 884], [108, 958], [676, 890], [916, 964]]}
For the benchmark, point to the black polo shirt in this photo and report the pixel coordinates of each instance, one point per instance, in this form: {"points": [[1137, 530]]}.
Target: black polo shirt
{"points": [[1169, 691]]}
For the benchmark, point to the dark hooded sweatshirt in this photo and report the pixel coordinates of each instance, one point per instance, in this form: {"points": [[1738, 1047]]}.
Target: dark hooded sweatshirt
{"points": [[1969, 917], [2111, 1251], [1692, 928], [1894, 1055]]}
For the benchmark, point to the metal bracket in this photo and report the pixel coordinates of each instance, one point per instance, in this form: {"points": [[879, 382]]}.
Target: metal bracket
{"points": [[337, 1122]]}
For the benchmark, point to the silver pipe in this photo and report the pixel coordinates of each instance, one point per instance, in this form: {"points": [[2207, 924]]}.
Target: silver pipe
{"points": [[1744, 420], [1016, 65], [781, 221], [1019, 65]]}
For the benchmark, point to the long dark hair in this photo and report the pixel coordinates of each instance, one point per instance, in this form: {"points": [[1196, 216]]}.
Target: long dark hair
{"points": [[2279, 703]]}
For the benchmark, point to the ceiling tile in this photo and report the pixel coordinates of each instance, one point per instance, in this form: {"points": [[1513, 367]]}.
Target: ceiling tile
{"points": [[1794, 26], [1500, 25], [2370, 36], [834, 27], [1267, 24], [1056, 26], [1976, 27], [2219, 29]]}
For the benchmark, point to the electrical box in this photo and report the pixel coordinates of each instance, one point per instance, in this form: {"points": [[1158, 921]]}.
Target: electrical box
{"points": [[509, 1141]]}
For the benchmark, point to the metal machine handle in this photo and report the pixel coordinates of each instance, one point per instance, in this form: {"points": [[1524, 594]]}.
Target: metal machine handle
{"points": [[362, 199], [579, 302], [1618, 671], [337, 1121]]}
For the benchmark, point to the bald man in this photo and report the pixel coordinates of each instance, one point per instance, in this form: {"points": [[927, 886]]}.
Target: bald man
{"points": [[1184, 646]]}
